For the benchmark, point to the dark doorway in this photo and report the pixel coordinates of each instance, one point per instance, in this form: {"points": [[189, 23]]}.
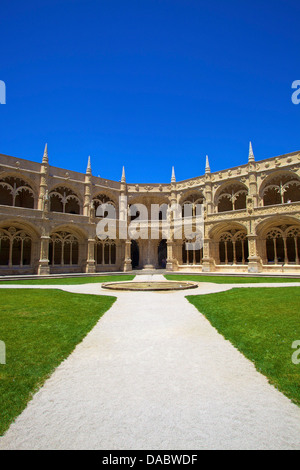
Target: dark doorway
{"points": [[135, 254], [162, 254]]}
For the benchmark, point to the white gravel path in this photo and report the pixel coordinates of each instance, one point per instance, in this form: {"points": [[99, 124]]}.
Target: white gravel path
{"points": [[154, 374]]}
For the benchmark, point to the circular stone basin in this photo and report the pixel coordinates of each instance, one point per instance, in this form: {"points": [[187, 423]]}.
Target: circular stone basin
{"points": [[150, 286]]}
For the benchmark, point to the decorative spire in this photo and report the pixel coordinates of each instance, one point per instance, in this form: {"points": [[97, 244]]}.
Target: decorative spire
{"points": [[89, 168], [251, 154], [123, 179], [207, 166], [173, 178], [45, 156]]}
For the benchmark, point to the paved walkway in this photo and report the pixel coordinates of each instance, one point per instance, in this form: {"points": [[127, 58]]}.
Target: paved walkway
{"points": [[154, 374]]}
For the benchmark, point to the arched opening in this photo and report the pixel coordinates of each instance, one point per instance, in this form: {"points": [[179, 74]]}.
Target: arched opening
{"points": [[63, 249], [292, 192], [15, 247], [162, 254], [240, 200], [225, 203], [232, 197], [56, 204], [275, 246], [283, 245], [135, 254], [16, 192], [6, 197], [233, 247], [194, 203], [102, 199], [272, 196], [191, 254], [72, 205], [4, 250], [281, 189], [293, 244], [106, 252], [24, 198], [64, 200]]}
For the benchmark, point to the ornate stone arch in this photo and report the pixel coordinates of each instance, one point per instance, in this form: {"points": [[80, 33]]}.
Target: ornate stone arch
{"points": [[280, 240], [18, 174], [275, 221], [292, 231], [104, 197], [22, 224], [16, 191], [75, 188], [190, 255], [280, 187], [105, 252], [231, 196], [18, 241], [68, 246], [64, 199], [192, 195], [63, 249], [106, 192], [217, 229], [230, 243], [192, 198], [72, 228]]}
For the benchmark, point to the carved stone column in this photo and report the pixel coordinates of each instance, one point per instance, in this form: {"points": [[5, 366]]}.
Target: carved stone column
{"points": [[128, 261], [207, 261], [44, 268], [90, 264], [170, 256], [254, 265]]}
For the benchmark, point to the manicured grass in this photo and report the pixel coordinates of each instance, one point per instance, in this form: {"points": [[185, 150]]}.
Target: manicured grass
{"points": [[40, 329], [262, 323], [71, 280], [228, 279]]}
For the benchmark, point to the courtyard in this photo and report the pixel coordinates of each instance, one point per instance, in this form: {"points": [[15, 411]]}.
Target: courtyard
{"points": [[209, 368]]}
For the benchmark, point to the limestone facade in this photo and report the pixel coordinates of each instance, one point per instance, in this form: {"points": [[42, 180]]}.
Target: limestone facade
{"points": [[48, 219]]}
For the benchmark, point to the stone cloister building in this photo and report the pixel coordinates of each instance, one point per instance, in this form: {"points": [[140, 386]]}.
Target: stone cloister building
{"points": [[251, 212]]}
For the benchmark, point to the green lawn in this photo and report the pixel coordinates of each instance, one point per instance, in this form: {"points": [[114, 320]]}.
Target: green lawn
{"points": [[40, 329], [71, 280], [227, 279], [262, 323]]}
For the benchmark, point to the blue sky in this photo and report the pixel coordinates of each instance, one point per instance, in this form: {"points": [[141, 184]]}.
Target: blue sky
{"points": [[149, 83]]}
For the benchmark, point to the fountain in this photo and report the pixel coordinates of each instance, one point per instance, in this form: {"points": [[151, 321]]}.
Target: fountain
{"points": [[152, 286]]}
